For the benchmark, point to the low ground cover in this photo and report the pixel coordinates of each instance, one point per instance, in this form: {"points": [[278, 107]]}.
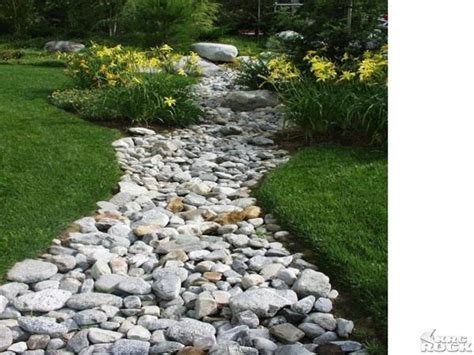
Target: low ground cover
{"points": [[54, 166], [336, 198]]}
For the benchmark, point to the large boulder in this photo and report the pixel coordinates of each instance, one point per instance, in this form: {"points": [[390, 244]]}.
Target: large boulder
{"points": [[313, 283], [216, 52], [250, 100], [64, 46], [264, 302]]}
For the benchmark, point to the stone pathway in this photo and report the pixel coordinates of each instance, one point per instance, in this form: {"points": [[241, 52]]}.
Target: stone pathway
{"points": [[180, 260]]}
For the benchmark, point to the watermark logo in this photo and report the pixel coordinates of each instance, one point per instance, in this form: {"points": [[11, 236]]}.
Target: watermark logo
{"points": [[433, 343]]}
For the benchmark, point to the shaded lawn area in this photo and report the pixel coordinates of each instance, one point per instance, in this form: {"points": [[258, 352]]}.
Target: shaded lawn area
{"points": [[53, 165], [336, 197]]}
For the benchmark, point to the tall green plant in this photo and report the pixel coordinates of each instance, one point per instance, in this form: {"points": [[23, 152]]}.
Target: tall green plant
{"points": [[174, 21]]}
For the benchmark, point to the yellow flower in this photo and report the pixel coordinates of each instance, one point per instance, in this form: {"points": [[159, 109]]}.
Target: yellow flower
{"points": [[345, 57], [169, 101], [181, 72], [347, 75], [165, 48], [322, 68], [136, 80]]}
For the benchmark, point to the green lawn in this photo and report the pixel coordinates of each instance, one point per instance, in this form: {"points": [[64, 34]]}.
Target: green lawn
{"points": [[53, 165], [336, 197]]}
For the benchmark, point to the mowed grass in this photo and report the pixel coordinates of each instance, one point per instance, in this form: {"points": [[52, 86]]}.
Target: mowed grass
{"points": [[53, 165], [336, 198]]}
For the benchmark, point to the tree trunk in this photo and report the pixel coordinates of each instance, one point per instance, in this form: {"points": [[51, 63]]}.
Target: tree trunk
{"points": [[349, 16]]}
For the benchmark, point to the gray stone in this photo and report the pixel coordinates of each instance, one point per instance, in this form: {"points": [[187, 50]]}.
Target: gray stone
{"points": [[312, 330], [348, 345], [166, 347], [3, 303], [89, 317], [130, 347], [295, 349], [135, 286], [304, 305], [30, 271], [63, 46], [168, 285], [108, 283], [325, 338], [6, 338], [12, 289], [312, 282], [216, 52], [96, 335], [187, 330], [79, 341], [323, 304], [250, 100], [38, 341], [287, 332], [263, 302], [64, 262], [139, 333], [344, 327], [18, 348], [93, 299], [42, 325], [248, 318], [42, 301], [325, 320]]}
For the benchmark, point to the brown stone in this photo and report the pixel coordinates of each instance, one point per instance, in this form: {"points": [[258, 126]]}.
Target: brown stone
{"points": [[329, 349], [175, 204], [213, 276], [252, 212], [191, 350], [142, 230]]}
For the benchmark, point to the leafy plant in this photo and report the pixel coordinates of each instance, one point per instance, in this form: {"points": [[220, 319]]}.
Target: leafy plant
{"points": [[157, 98], [267, 72], [174, 21]]}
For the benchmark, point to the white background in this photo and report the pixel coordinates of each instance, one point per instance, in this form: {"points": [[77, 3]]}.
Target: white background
{"points": [[431, 163]]}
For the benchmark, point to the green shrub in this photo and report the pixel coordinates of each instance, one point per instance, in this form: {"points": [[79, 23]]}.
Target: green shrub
{"points": [[337, 99], [10, 54], [267, 71], [252, 74], [350, 110], [159, 98]]}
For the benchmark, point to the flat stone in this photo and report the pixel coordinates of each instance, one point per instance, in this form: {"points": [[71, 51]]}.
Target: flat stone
{"points": [[130, 347], [264, 302], [139, 333], [30, 271], [42, 301], [93, 299], [108, 283], [287, 332], [96, 336], [89, 317], [42, 325], [166, 347], [135, 286]]}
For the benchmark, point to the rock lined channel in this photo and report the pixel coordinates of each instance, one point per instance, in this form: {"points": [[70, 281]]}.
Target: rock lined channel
{"points": [[181, 260]]}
